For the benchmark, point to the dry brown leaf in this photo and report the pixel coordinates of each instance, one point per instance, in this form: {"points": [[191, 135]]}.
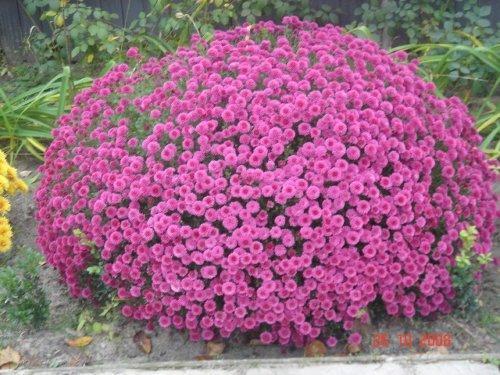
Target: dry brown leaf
{"points": [[143, 342], [24, 174], [315, 349], [78, 360], [9, 359], [438, 350], [255, 342], [353, 349], [203, 357], [79, 342], [215, 349]]}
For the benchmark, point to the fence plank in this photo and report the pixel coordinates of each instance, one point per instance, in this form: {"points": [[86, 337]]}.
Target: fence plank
{"points": [[114, 6], [11, 32], [134, 7]]}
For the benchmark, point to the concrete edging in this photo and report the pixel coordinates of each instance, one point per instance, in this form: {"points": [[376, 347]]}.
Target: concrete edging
{"points": [[317, 366]]}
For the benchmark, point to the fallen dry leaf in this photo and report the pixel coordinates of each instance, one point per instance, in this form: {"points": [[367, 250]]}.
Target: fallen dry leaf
{"points": [[315, 349], [78, 360], [9, 359], [79, 342], [143, 342], [255, 342], [215, 349], [203, 357], [353, 349], [438, 350], [24, 173]]}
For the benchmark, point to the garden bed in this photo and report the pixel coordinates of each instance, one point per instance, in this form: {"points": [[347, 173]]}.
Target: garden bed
{"points": [[47, 346]]}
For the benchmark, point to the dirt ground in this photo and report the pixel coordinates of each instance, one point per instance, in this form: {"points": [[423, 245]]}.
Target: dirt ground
{"points": [[47, 347]]}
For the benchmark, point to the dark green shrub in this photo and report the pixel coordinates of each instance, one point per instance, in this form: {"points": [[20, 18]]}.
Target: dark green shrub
{"points": [[22, 301]]}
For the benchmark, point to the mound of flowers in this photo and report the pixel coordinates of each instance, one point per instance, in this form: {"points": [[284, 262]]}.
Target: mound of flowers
{"points": [[278, 180]]}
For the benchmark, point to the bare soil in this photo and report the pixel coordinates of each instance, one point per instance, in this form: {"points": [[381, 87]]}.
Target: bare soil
{"points": [[47, 347]]}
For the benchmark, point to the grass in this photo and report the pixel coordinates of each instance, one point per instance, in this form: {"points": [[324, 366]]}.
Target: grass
{"points": [[27, 118]]}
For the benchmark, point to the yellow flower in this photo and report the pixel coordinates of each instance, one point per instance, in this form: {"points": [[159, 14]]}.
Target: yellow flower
{"points": [[11, 190], [4, 205], [2, 156], [21, 185], [4, 183], [4, 220], [5, 230], [5, 244], [11, 173]]}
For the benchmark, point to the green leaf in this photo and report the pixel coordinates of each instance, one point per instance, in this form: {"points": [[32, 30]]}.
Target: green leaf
{"points": [[93, 29], [94, 270], [102, 33], [483, 23], [31, 8], [53, 4], [485, 10], [63, 91]]}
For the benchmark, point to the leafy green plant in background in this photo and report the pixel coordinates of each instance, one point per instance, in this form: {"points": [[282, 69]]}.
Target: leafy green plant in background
{"points": [[468, 263], [169, 24], [22, 301], [77, 32], [487, 113], [27, 119], [458, 68], [456, 45], [418, 21], [253, 10], [458, 49], [470, 72]]}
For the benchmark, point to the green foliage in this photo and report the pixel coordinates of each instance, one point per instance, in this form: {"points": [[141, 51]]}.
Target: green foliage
{"points": [[454, 41], [92, 321], [103, 294], [495, 361], [487, 114], [22, 301], [26, 119], [77, 32], [465, 272], [169, 24], [253, 10], [470, 72], [419, 21], [458, 68], [457, 48]]}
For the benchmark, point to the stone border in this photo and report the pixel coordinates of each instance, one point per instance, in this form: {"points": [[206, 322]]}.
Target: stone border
{"points": [[241, 366]]}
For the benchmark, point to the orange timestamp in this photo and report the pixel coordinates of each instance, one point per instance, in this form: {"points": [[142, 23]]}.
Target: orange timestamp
{"points": [[382, 340]]}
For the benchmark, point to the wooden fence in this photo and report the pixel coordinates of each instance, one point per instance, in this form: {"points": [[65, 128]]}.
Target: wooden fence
{"points": [[15, 25]]}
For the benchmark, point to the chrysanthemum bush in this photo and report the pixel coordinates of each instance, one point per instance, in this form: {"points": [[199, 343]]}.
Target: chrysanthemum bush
{"points": [[278, 180]]}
